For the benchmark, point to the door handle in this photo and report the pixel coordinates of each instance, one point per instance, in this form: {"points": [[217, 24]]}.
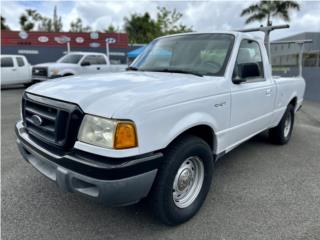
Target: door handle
{"points": [[14, 69], [268, 92], [98, 68]]}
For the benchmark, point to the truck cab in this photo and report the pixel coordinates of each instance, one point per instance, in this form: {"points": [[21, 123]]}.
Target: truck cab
{"points": [[15, 69]]}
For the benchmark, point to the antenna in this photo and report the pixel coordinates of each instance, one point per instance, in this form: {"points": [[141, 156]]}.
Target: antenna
{"points": [[266, 31], [301, 46]]}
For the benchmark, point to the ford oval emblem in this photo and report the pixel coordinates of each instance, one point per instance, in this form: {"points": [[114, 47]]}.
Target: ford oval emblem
{"points": [[36, 120]]}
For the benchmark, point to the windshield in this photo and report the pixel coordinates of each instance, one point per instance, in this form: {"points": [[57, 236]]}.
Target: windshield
{"points": [[71, 58], [200, 54]]}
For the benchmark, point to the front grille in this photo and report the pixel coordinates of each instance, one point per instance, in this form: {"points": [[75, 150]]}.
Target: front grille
{"points": [[52, 122], [40, 71]]}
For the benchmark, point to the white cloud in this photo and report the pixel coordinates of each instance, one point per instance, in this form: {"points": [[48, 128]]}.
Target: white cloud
{"points": [[11, 11], [201, 15]]}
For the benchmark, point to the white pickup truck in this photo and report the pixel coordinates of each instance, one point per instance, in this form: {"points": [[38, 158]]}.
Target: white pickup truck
{"points": [[75, 63], [157, 129], [15, 69]]}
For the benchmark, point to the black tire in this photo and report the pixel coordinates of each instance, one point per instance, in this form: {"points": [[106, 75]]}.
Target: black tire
{"points": [[26, 85], [161, 199], [67, 75], [278, 134]]}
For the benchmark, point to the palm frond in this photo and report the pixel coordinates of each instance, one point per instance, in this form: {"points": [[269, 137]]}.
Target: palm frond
{"points": [[256, 17], [283, 8], [251, 9], [291, 5], [266, 9], [284, 15]]}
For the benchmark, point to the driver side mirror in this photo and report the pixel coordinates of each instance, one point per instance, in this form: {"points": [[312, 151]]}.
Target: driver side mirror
{"points": [[238, 80], [244, 71], [83, 64]]}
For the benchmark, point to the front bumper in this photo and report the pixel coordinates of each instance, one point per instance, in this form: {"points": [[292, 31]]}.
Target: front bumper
{"points": [[114, 182], [37, 78]]}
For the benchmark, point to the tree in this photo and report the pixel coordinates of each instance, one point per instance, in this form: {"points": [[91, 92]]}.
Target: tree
{"points": [[268, 9], [45, 25], [4, 26], [168, 21], [56, 21], [143, 29], [111, 28], [53, 24], [29, 19], [76, 26]]}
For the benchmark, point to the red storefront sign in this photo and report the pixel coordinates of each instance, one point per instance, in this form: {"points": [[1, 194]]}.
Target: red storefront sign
{"points": [[48, 39]]}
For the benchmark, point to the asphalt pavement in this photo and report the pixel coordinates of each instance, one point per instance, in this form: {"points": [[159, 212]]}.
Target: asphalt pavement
{"points": [[259, 191]]}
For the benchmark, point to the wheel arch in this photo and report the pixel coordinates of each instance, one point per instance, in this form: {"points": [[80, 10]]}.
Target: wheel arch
{"points": [[203, 131], [293, 102], [67, 74]]}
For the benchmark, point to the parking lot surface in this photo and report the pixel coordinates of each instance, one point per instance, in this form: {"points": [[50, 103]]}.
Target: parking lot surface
{"points": [[259, 191]]}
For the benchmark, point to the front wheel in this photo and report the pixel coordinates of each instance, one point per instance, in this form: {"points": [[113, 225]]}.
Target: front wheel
{"points": [[281, 134], [183, 181]]}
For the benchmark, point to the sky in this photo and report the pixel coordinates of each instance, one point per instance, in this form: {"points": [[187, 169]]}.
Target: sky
{"points": [[201, 15]]}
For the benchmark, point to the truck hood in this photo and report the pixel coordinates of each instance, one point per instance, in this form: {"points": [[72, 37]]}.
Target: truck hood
{"points": [[55, 65], [119, 94]]}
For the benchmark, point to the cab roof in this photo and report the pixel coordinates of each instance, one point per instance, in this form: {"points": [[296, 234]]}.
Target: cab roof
{"points": [[235, 33], [86, 53]]}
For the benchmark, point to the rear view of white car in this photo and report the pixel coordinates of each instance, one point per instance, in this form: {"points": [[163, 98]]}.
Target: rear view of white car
{"points": [[15, 69]]}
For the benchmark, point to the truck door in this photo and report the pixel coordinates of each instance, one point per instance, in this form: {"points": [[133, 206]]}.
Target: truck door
{"points": [[102, 65], [22, 70], [252, 97], [92, 64]]}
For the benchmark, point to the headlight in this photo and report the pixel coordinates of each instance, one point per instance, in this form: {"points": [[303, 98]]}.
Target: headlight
{"points": [[108, 133], [54, 71]]}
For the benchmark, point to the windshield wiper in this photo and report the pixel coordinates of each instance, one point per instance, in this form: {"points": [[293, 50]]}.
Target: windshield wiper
{"points": [[177, 71], [132, 69]]}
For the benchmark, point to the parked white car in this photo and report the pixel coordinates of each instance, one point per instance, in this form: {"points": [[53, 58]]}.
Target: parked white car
{"points": [[158, 129], [15, 69], [75, 63]]}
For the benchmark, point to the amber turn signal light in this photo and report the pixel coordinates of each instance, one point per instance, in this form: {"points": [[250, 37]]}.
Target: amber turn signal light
{"points": [[125, 136]]}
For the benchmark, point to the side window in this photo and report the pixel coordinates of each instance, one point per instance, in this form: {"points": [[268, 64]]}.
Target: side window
{"points": [[92, 59], [101, 60], [249, 64], [20, 61], [6, 62]]}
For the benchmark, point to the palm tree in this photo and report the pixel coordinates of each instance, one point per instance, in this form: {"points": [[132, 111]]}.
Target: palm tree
{"points": [[4, 26], [28, 20], [268, 9]]}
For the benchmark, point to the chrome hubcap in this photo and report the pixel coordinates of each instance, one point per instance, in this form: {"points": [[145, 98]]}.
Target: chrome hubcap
{"points": [[287, 126], [188, 182]]}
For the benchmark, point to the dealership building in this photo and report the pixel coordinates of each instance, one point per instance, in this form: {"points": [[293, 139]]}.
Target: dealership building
{"points": [[40, 47], [286, 54]]}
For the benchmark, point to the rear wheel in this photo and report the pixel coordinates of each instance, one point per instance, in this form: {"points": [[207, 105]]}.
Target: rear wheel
{"points": [[281, 134], [183, 181]]}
